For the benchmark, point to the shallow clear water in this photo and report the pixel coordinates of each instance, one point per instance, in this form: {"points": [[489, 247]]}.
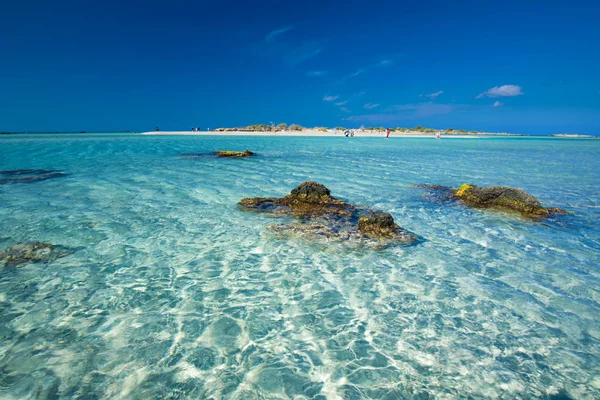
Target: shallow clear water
{"points": [[173, 292]]}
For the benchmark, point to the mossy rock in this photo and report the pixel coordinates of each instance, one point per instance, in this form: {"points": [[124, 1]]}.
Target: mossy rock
{"points": [[326, 218], [308, 199], [311, 190], [234, 154], [504, 198], [378, 224]]}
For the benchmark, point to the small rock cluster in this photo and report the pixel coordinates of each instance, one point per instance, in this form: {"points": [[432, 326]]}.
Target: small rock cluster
{"points": [[327, 218]]}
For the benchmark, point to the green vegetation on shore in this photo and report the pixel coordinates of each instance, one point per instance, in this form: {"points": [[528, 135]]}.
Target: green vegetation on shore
{"points": [[283, 127]]}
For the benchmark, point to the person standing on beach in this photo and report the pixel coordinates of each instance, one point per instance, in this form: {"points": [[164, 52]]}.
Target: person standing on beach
{"points": [[387, 133]]}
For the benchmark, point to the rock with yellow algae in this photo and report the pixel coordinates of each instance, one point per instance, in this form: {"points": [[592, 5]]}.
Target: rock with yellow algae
{"points": [[234, 154]]}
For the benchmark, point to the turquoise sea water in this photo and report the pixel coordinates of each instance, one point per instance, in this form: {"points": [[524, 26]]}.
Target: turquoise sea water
{"points": [[172, 292]]}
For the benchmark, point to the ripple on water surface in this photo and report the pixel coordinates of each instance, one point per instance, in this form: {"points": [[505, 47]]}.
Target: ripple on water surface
{"points": [[172, 292]]}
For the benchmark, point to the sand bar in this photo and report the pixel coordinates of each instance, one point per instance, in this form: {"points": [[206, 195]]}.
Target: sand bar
{"points": [[331, 133]]}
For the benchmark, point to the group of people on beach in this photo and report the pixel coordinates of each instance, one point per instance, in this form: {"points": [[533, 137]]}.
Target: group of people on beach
{"points": [[349, 132], [197, 129]]}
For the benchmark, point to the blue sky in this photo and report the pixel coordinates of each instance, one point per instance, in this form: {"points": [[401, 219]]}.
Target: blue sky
{"points": [[515, 66]]}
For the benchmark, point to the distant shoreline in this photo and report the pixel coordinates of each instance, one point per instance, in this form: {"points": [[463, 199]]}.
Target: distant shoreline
{"points": [[314, 133]]}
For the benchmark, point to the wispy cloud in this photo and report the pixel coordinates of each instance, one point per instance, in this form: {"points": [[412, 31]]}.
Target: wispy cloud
{"points": [[342, 102], [275, 44], [434, 96], [423, 109], [271, 36], [370, 106], [406, 111], [344, 109], [502, 91], [352, 75], [305, 51], [316, 73], [359, 71], [497, 104]]}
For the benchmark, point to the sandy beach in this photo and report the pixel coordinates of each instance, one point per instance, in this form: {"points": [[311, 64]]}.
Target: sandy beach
{"points": [[311, 133]]}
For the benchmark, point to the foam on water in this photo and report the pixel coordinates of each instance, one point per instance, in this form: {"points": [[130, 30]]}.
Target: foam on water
{"points": [[173, 292]]}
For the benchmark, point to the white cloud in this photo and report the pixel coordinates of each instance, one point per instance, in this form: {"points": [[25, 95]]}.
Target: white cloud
{"points": [[341, 103], [316, 73], [273, 34], [497, 104], [331, 98], [502, 91], [433, 96], [344, 109], [370, 106]]}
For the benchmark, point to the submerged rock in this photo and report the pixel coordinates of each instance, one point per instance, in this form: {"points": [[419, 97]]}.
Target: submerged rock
{"points": [[494, 197], [328, 218], [437, 193], [193, 156], [28, 175], [234, 154], [504, 198], [32, 252], [323, 233]]}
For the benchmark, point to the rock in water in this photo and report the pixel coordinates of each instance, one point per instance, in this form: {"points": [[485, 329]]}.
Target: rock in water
{"points": [[28, 175], [311, 190], [503, 198], [32, 252], [437, 193], [259, 204], [328, 219], [345, 233], [233, 154], [309, 199], [378, 224]]}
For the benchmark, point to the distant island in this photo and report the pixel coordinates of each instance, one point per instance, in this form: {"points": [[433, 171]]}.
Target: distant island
{"points": [[418, 130]]}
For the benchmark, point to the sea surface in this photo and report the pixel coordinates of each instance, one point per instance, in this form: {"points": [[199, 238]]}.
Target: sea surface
{"points": [[171, 292]]}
